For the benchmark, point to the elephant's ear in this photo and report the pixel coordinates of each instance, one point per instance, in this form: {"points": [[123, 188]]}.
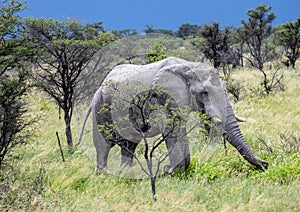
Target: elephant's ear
{"points": [[170, 80], [216, 91]]}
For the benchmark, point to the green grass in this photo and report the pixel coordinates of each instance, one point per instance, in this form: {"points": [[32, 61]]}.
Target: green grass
{"points": [[35, 178]]}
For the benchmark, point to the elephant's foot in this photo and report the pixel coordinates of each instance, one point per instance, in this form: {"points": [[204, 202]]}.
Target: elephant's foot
{"points": [[174, 166], [168, 169], [125, 167], [101, 170], [126, 163]]}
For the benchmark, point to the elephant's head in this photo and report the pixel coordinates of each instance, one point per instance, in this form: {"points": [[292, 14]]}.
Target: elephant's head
{"points": [[200, 86]]}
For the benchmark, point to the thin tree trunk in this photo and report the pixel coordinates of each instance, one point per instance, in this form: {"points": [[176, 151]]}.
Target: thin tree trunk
{"points": [[68, 131], [265, 82], [153, 178], [293, 63]]}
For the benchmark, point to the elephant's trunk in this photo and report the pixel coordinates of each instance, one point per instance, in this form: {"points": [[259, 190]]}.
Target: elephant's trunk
{"points": [[234, 136]]}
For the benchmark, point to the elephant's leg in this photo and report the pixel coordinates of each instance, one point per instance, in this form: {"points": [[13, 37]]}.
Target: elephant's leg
{"points": [[102, 146], [101, 116], [101, 140], [127, 152], [178, 150]]}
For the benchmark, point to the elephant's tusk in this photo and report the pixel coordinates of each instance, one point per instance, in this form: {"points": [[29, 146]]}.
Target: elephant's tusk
{"points": [[240, 119]]}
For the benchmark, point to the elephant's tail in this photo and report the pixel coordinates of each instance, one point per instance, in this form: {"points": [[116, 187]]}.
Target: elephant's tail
{"points": [[83, 125]]}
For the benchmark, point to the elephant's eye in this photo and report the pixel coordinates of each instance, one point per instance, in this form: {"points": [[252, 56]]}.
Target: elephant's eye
{"points": [[154, 95]]}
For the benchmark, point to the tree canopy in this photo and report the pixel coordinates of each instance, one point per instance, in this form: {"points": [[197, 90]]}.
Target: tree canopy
{"points": [[14, 52], [289, 37], [63, 50]]}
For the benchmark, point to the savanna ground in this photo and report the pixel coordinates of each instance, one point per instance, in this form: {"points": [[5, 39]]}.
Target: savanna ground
{"points": [[36, 179]]}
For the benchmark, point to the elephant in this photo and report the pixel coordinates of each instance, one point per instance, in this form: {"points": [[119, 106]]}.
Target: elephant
{"points": [[165, 86]]}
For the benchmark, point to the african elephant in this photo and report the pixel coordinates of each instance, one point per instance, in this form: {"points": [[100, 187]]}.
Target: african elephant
{"points": [[173, 83]]}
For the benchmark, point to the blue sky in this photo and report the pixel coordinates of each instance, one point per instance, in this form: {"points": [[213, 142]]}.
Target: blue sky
{"points": [[166, 14]]}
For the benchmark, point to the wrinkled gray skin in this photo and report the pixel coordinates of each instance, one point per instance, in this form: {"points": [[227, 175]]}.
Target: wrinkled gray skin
{"points": [[177, 81]]}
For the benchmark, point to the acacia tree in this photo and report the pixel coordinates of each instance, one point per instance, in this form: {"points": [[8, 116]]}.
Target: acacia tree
{"points": [[124, 32], [254, 33], [153, 154], [289, 37], [149, 109], [216, 46], [13, 77], [63, 50], [188, 30], [238, 41], [150, 29]]}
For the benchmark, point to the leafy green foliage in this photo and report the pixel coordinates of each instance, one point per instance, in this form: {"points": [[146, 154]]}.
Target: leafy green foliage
{"points": [[13, 77], [188, 30], [289, 38], [124, 32], [216, 43], [150, 29], [63, 50], [254, 33], [156, 52], [12, 113]]}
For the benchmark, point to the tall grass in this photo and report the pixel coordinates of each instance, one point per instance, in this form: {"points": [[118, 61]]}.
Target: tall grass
{"points": [[217, 180]]}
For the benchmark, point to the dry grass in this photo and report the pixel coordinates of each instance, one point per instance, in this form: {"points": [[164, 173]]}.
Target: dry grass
{"points": [[214, 181]]}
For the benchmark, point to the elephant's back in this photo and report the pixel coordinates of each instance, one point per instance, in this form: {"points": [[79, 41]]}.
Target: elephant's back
{"points": [[141, 73], [131, 74]]}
